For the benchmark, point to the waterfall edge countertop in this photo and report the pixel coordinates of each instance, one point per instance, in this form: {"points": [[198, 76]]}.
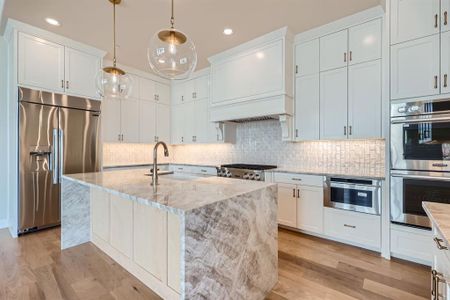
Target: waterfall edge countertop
{"points": [[439, 214], [177, 193]]}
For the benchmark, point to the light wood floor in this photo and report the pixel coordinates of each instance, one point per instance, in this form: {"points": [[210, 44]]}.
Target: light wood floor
{"points": [[33, 267]]}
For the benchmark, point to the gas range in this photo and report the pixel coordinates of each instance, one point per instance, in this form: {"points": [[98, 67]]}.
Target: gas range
{"points": [[243, 171]]}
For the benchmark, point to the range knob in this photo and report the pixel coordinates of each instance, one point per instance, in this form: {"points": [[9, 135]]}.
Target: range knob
{"points": [[228, 174], [414, 108], [258, 177], [251, 176], [246, 176]]}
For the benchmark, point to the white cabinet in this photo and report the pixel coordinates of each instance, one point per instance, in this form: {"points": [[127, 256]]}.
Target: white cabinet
{"points": [[162, 93], [153, 91], [129, 120], [122, 225], [40, 63], [287, 205], [163, 122], [445, 10], [412, 19], [364, 100], [147, 122], [100, 206], [178, 117], [441, 267], [333, 104], [50, 66], [445, 62], [415, 68], [150, 235], [174, 252], [307, 107], [111, 129], [201, 121], [307, 58], [333, 50], [80, 72], [178, 92], [365, 42], [310, 208]]}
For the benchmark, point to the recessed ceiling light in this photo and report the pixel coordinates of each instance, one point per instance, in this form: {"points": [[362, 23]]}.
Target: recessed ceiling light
{"points": [[52, 21], [228, 31]]}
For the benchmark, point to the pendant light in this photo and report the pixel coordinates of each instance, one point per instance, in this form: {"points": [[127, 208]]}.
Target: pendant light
{"points": [[113, 82], [171, 54]]}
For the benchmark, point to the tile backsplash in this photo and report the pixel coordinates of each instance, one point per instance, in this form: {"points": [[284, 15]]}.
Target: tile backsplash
{"points": [[260, 143]]}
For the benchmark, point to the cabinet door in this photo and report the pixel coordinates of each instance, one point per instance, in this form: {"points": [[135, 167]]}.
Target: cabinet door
{"points": [[80, 72], [307, 58], [147, 89], [129, 109], [307, 112], [135, 86], [150, 239], [111, 120], [189, 90], [162, 93], [147, 121], [415, 68], [178, 93], [122, 225], [190, 120], [412, 19], [201, 87], [178, 117], [445, 62], [287, 205], [100, 213], [445, 18], [333, 104], [40, 63], [364, 100], [310, 209], [365, 42], [201, 121], [163, 122], [333, 50]]}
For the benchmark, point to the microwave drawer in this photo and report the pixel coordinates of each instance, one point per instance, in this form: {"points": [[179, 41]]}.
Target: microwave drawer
{"points": [[302, 179], [359, 228]]}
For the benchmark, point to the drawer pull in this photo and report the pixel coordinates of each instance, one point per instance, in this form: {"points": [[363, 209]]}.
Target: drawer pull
{"points": [[293, 193], [439, 245], [349, 226], [204, 171], [296, 179]]}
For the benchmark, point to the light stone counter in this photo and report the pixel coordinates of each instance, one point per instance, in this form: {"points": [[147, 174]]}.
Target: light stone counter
{"points": [[228, 228], [439, 214], [327, 172]]}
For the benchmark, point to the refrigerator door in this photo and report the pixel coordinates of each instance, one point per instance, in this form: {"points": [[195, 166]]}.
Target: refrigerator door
{"points": [[79, 131], [39, 204]]}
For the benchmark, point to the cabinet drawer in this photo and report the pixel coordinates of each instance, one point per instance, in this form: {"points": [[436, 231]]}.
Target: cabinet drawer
{"points": [[302, 179], [204, 170], [359, 228], [181, 169]]}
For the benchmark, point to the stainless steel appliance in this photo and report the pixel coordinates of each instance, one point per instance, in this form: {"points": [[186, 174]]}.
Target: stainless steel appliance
{"points": [[410, 188], [420, 136], [58, 135], [244, 171], [361, 195]]}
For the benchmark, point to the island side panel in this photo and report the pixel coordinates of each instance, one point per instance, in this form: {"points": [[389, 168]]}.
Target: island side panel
{"points": [[75, 214], [231, 247]]}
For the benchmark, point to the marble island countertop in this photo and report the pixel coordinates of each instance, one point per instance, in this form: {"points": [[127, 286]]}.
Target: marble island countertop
{"points": [[177, 193], [439, 214]]}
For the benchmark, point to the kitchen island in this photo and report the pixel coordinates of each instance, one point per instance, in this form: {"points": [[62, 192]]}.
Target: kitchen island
{"points": [[194, 237]]}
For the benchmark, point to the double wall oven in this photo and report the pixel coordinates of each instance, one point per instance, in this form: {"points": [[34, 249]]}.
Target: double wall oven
{"points": [[420, 159]]}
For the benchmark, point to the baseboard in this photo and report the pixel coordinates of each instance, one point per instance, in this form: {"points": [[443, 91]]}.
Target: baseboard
{"points": [[4, 223]]}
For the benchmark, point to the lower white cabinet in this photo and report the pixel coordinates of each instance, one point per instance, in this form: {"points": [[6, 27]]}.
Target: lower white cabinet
{"points": [[412, 244], [173, 252], [287, 205], [100, 213], [122, 225], [357, 228], [440, 273], [310, 208]]}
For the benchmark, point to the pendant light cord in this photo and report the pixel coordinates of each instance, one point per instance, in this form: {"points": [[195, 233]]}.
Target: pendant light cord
{"points": [[114, 34], [172, 19]]}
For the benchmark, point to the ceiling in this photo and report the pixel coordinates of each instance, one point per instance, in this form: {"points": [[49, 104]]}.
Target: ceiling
{"points": [[90, 21]]}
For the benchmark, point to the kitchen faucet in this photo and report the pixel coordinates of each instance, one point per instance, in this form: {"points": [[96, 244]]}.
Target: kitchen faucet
{"points": [[155, 162]]}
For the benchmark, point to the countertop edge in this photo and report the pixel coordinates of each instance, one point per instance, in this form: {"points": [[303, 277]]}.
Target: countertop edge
{"points": [[437, 222]]}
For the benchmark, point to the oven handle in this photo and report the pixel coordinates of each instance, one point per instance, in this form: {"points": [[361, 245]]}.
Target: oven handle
{"points": [[354, 186], [444, 118], [420, 177]]}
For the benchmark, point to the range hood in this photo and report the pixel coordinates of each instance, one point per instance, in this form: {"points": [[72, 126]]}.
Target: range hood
{"points": [[254, 81]]}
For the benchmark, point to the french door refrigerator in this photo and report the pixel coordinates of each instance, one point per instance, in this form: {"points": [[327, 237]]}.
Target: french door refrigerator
{"points": [[58, 134]]}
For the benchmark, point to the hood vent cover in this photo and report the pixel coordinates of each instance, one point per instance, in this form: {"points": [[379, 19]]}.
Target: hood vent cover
{"points": [[247, 120]]}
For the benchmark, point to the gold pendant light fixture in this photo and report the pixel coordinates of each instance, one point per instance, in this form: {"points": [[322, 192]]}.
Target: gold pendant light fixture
{"points": [[113, 82], [171, 54]]}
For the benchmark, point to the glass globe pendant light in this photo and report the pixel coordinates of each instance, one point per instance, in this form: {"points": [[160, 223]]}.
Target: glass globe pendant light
{"points": [[171, 54], [113, 82]]}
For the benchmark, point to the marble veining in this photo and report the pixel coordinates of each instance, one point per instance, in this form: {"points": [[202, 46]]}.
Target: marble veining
{"points": [[439, 214], [75, 214]]}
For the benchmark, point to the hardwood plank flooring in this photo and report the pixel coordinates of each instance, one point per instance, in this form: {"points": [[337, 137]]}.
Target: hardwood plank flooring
{"points": [[33, 267]]}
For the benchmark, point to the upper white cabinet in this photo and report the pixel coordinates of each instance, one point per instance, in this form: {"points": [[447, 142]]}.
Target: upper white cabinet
{"points": [[333, 50], [365, 42], [40, 63], [307, 105], [153, 91], [307, 58], [412, 19], [415, 68], [111, 113], [333, 104], [129, 120], [43, 64]]}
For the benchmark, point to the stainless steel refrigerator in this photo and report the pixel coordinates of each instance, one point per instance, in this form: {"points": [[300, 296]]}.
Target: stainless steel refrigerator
{"points": [[58, 134]]}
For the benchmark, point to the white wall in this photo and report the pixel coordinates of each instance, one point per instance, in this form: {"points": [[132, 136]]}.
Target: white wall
{"points": [[3, 133]]}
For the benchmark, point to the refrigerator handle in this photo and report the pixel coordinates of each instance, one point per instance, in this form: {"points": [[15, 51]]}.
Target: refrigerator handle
{"points": [[61, 154], [54, 157]]}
